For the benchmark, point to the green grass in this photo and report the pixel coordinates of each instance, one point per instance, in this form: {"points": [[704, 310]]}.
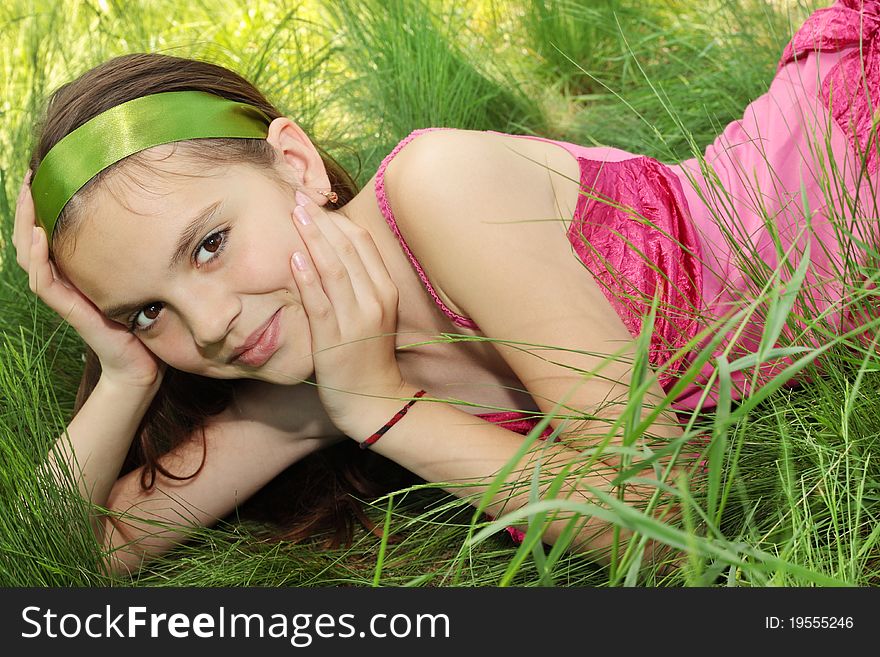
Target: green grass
{"points": [[793, 491]]}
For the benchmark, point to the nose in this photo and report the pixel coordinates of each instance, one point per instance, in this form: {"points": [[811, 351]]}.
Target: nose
{"points": [[210, 316]]}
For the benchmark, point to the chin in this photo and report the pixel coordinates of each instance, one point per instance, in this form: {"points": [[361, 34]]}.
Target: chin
{"points": [[278, 371], [222, 372], [277, 378]]}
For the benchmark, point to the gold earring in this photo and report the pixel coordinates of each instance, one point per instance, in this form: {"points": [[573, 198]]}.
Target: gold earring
{"points": [[330, 196]]}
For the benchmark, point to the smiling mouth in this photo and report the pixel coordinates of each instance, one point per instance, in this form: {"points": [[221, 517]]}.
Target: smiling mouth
{"points": [[265, 346]]}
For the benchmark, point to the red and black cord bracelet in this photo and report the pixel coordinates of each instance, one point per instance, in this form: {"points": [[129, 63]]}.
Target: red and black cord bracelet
{"points": [[372, 439]]}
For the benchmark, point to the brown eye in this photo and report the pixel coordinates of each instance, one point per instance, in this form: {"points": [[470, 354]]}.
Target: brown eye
{"points": [[149, 312], [213, 244]]}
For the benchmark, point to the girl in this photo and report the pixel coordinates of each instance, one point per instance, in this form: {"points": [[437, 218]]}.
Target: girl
{"points": [[245, 306]]}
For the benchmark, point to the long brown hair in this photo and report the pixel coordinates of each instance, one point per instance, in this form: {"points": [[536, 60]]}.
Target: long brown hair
{"points": [[313, 496]]}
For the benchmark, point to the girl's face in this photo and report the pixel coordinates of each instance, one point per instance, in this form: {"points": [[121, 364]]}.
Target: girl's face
{"points": [[195, 291]]}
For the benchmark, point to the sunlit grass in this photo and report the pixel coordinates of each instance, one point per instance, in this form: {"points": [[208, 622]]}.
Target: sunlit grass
{"points": [[792, 491]]}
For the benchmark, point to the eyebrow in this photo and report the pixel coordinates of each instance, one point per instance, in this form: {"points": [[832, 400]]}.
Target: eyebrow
{"points": [[193, 229]]}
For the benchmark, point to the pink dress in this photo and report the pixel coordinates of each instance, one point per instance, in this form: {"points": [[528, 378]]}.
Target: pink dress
{"points": [[819, 106]]}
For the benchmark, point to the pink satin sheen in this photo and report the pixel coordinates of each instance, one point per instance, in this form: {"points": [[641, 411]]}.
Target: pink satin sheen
{"points": [[628, 204], [817, 109], [643, 227]]}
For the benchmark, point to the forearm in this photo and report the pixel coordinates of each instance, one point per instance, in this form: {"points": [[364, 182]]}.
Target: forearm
{"points": [[235, 453], [98, 438], [440, 443], [239, 458]]}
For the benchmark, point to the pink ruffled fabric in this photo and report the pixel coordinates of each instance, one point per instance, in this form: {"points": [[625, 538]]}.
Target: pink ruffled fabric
{"points": [[850, 89], [632, 230], [674, 219], [773, 163]]}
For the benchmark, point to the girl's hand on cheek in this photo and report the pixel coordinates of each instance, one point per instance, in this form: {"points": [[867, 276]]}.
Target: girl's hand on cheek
{"points": [[351, 304], [124, 359]]}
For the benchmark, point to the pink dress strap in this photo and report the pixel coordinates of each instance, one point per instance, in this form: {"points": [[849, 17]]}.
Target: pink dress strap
{"points": [[385, 208]]}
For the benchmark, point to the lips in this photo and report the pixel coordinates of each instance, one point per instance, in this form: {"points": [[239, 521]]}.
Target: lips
{"points": [[260, 344]]}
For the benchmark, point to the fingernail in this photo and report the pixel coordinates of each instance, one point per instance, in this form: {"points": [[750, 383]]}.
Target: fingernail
{"points": [[301, 215], [35, 236], [301, 198], [299, 260], [27, 176]]}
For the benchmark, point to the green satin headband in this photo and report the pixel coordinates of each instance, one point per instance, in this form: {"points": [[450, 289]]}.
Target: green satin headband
{"points": [[132, 127]]}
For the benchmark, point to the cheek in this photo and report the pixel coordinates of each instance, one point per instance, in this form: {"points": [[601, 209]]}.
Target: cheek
{"points": [[267, 264], [169, 349]]}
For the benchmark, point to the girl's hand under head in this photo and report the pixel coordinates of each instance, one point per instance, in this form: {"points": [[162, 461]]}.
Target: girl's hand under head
{"points": [[351, 303], [124, 359]]}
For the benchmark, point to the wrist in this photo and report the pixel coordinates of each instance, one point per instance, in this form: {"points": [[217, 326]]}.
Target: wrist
{"points": [[381, 411], [141, 393]]}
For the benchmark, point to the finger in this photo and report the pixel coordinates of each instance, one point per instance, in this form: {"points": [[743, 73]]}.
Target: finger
{"points": [[319, 310], [47, 284], [376, 294], [43, 277], [347, 250], [58, 276], [327, 262], [25, 220], [65, 299], [370, 257]]}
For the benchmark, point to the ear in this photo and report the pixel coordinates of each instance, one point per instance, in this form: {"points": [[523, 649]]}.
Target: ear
{"points": [[301, 159]]}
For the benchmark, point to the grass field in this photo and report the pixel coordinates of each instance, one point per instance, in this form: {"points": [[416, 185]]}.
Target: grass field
{"points": [[793, 494]]}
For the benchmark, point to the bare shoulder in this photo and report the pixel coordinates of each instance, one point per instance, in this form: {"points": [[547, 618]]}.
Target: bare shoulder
{"points": [[438, 149], [486, 169], [471, 180], [462, 198]]}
